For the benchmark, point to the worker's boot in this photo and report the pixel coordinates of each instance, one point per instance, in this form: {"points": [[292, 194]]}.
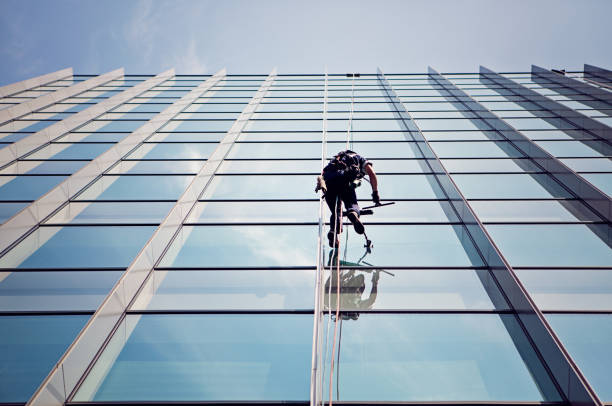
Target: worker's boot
{"points": [[333, 239], [354, 218]]}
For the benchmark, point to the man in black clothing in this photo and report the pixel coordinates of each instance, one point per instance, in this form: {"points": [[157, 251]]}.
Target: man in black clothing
{"points": [[338, 182]]}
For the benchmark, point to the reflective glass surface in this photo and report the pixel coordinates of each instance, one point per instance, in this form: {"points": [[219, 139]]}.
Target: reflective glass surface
{"points": [[587, 337], [228, 289], [70, 151], [157, 167], [27, 187], [75, 247], [8, 210], [602, 181], [29, 347], [550, 245], [248, 246], [111, 212], [215, 357], [136, 187], [407, 289], [173, 151], [433, 357], [532, 211], [508, 186], [55, 291], [569, 289]]}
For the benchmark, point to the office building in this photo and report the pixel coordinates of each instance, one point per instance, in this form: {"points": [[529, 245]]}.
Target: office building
{"points": [[161, 240]]}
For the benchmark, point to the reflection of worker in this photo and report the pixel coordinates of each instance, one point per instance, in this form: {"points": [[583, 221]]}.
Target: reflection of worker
{"points": [[338, 182], [352, 286]]}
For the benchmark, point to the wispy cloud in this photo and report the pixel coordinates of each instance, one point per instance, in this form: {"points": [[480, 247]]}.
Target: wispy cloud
{"points": [[190, 61], [142, 29]]}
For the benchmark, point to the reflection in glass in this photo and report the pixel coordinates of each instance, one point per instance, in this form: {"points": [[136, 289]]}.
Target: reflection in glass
{"points": [[27, 187], [112, 212], [532, 211], [78, 247], [136, 187], [228, 289], [173, 151], [569, 289], [551, 245], [255, 212], [201, 357], [8, 210], [587, 337], [508, 186], [244, 246], [29, 347], [57, 291], [434, 357]]}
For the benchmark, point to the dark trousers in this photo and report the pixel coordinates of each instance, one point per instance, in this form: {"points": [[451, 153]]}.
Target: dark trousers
{"points": [[340, 191]]}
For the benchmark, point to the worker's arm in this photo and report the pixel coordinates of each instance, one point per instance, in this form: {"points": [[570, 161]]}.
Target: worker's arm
{"points": [[373, 183]]}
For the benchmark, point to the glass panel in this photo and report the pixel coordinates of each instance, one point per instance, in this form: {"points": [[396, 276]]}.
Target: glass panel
{"points": [[275, 150], [43, 167], [173, 151], [551, 245], [278, 166], [254, 212], [488, 165], [8, 210], [532, 211], [55, 291], [229, 289], [602, 181], [569, 289], [157, 167], [589, 164], [27, 187], [250, 246], [568, 148], [451, 124], [508, 186], [591, 351], [474, 149], [110, 212], [77, 247], [136, 187], [215, 357], [198, 125], [29, 347], [433, 357], [363, 289], [70, 151]]}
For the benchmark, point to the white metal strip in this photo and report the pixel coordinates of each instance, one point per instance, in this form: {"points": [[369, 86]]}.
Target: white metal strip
{"points": [[71, 368], [22, 222], [34, 82], [40, 138]]}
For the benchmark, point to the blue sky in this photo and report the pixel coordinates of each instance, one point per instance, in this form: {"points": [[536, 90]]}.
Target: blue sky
{"points": [[248, 36]]}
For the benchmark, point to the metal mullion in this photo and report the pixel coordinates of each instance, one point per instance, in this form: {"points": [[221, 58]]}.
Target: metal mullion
{"points": [[130, 284], [556, 359], [576, 185], [56, 384], [514, 294]]}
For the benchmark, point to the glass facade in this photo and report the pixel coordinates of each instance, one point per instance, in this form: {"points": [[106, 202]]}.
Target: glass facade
{"points": [[171, 247]]}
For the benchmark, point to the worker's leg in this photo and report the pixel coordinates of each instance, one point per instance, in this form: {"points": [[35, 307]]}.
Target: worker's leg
{"points": [[349, 198], [335, 219]]}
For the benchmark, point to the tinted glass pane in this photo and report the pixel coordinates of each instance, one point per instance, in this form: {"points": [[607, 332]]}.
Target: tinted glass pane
{"points": [[364, 289], [215, 357], [386, 357], [173, 151], [255, 212], [533, 211], [568, 148], [550, 245], [29, 347], [137, 188], [27, 187], [227, 246], [591, 164], [44, 167], [60, 291], [161, 167], [592, 352], [74, 247], [278, 166], [70, 151], [111, 212], [508, 186], [474, 150], [227, 289], [603, 181], [569, 289], [8, 210], [487, 165], [275, 150]]}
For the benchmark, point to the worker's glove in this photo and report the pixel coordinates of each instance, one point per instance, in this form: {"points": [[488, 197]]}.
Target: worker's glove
{"points": [[321, 184], [376, 198]]}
